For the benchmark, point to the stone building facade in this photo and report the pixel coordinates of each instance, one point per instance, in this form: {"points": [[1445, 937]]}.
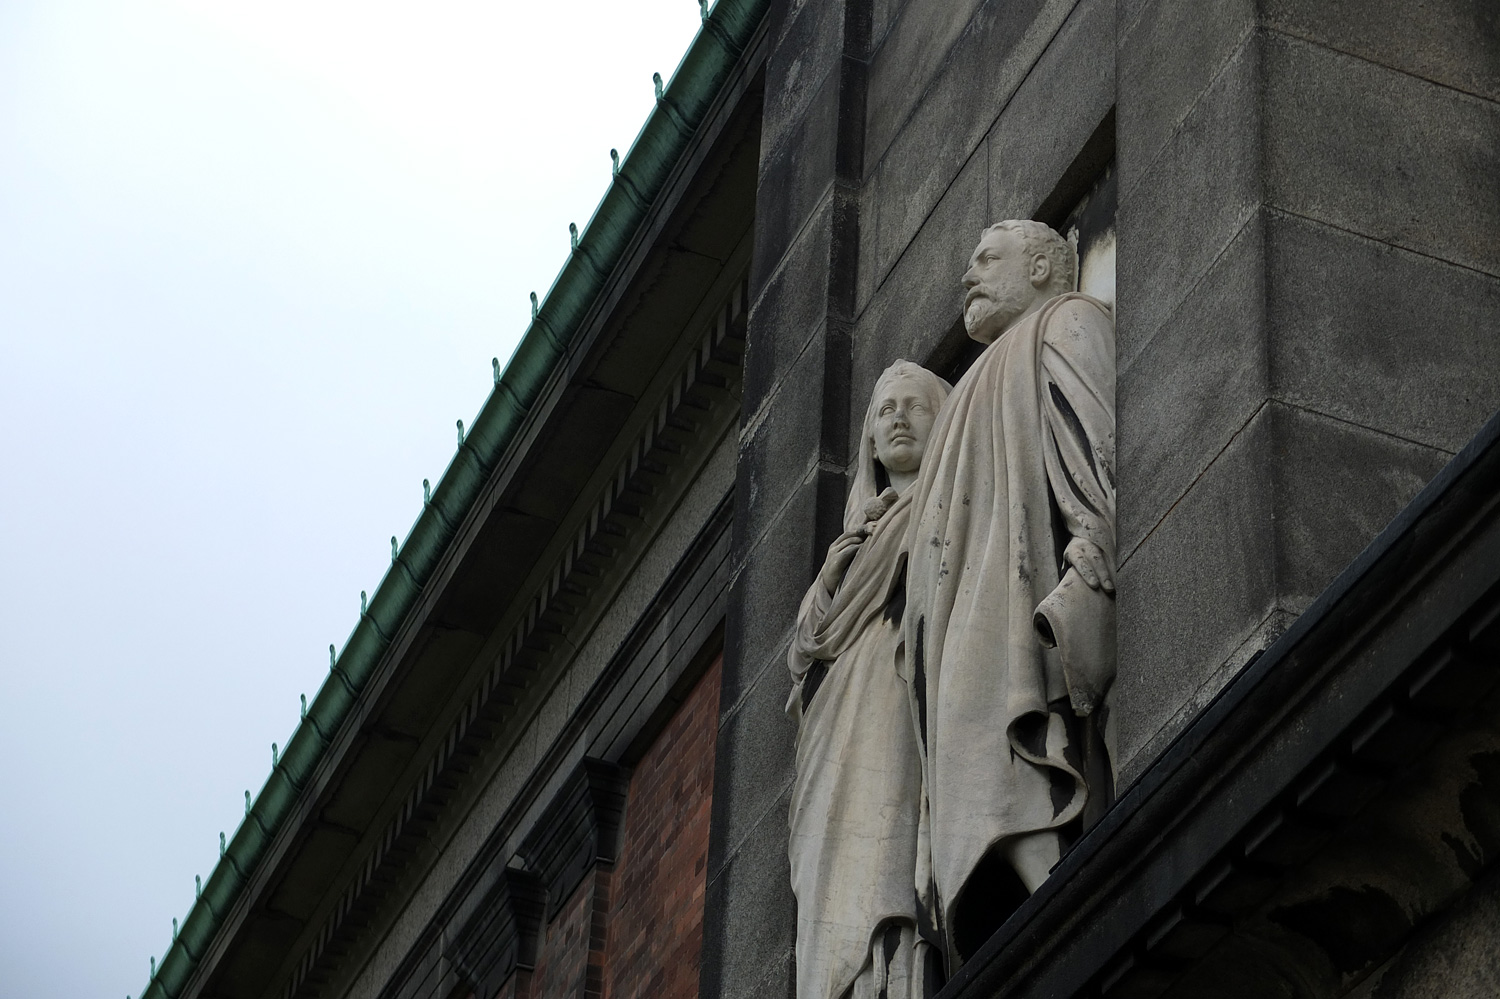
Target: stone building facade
{"points": [[552, 759]]}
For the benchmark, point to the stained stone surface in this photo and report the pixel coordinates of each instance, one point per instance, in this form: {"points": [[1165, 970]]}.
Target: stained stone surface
{"points": [[1460, 956], [1307, 288], [857, 802]]}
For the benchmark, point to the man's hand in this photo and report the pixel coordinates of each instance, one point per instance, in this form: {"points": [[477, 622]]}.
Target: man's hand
{"points": [[1092, 564], [840, 554]]}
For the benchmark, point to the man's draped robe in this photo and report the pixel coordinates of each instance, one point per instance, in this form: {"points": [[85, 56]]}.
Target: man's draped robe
{"points": [[853, 812], [1021, 460]]}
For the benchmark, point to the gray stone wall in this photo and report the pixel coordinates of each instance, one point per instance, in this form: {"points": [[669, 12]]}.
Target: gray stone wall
{"points": [[788, 493], [893, 133], [1309, 317], [1309, 302], [1457, 956]]}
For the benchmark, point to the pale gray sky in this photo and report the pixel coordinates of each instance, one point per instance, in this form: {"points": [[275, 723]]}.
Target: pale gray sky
{"points": [[255, 257]]}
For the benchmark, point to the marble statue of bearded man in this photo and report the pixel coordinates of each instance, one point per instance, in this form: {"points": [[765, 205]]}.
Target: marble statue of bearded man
{"points": [[1012, 549], [854, 819]]}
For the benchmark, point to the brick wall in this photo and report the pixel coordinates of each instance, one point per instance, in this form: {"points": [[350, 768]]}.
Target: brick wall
{"points": [[633, 930], [570, 961], [656, 921], [517, 986]]}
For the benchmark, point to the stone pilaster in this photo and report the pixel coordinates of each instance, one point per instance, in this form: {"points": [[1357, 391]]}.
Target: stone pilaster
{"points": [[1308, 293]]}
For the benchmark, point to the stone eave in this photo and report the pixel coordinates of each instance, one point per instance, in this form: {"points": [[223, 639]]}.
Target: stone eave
{"points": [[1395, 656], [485, 712], [478, 720], [650, 672], [380, 692]]}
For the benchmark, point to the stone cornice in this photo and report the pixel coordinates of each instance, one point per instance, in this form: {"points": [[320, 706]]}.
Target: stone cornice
{"points": [[654, 667], [695, 407]]}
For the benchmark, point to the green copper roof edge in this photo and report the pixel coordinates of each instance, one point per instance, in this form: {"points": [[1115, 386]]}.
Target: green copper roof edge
{"points": [[601, 245]]}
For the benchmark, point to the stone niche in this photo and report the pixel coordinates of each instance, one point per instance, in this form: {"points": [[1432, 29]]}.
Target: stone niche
{"points": [[953, 660], [1090, 227]]}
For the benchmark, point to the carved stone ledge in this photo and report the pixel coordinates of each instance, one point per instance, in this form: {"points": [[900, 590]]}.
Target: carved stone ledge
{"points": [[502, 935], [1333, 799], [581, 827]]}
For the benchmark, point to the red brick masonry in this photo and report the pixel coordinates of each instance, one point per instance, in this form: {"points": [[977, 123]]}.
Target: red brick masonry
{"points": [[571, 962], [656, 921], [635, 931]]}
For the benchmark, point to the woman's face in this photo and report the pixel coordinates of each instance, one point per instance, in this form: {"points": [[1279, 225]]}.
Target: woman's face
{"points": [[903, 421]]}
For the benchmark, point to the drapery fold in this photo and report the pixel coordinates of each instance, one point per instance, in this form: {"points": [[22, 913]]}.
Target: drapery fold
{"points": [[1020, 461], [853, 816]]}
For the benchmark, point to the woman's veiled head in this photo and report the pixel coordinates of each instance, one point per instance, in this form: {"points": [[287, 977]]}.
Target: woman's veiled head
{"points": [[902, 411], [898, 422]]}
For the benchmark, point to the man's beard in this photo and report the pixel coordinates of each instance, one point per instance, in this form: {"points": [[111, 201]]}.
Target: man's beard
{"points": [[985, 318], [998, 305]]}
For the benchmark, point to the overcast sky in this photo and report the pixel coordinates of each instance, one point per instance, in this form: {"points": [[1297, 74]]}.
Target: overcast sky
{"points": [[255, 257]]}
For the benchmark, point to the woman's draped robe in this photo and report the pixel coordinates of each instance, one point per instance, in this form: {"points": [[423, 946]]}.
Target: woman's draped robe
{"points": [[854, 807], [1021, 459]]}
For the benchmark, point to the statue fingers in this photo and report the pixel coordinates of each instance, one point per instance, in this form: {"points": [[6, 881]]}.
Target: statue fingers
{"points": [[1086, 571]]}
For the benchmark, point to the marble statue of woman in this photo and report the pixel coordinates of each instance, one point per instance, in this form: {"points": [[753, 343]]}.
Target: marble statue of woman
{"points": [[854, 810]]}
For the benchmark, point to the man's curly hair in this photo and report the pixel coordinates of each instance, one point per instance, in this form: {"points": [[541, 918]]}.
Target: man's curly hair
{"points": [[1038, 237]]}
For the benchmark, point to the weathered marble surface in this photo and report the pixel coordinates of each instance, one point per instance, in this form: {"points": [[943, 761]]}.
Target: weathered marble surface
{"points": [[953, 661], [1013, 529], [854, 811]]}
